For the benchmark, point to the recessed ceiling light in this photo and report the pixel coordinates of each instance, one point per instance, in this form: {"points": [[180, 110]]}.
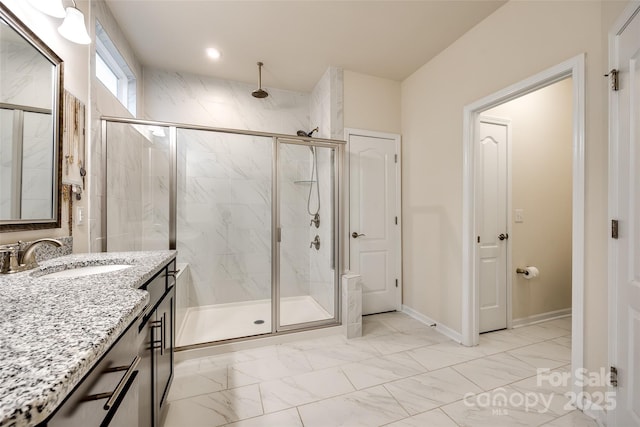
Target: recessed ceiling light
{"points": [[213, 53]]}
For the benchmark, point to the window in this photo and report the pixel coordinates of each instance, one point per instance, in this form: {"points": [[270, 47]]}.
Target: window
{"points": [[113, 71]]}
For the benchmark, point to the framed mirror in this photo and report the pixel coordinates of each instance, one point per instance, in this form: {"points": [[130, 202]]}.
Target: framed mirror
{"points": [[31, 90]]}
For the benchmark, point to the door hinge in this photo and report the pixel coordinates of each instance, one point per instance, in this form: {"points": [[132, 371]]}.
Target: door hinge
{"points": [[396, 283], [478, 239], [613, 377], [395, 158], [615, 81], [396, 220], [614, 228]]}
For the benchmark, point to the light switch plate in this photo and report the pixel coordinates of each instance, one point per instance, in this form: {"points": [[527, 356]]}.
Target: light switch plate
{"points": [[79, 215], [519, 215]]}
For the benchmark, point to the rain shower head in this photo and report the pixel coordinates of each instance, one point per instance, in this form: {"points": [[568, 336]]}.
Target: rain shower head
{"points": [[260, 93]]}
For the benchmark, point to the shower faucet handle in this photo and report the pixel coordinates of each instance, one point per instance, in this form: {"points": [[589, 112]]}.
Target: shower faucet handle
{"points": [[315, 220], [315, 242]]}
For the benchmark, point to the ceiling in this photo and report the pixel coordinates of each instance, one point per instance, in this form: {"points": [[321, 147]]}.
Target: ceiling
{"points": [[296, 40]]}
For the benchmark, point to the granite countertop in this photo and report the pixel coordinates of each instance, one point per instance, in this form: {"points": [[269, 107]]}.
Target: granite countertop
{"points": [[53, 330]]}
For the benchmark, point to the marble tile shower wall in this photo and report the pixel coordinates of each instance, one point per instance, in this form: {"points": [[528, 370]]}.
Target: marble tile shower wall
{"points": [[224, 215], [295, 253], [326, 110], [224, 185], [137, 189], [321, 267], [193, 99]]}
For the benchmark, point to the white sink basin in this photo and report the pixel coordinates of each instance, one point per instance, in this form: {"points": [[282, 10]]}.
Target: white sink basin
{"points": [[85, 271]]}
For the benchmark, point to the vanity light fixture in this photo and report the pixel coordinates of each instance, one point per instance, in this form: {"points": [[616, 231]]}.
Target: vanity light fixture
{"points": [[73, 27], [213, 53], [49, 7]]}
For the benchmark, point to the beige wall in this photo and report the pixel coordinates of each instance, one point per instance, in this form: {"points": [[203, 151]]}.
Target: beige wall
{"points": [[75, 58], [541, 164], [518, 40], [371, 103]]}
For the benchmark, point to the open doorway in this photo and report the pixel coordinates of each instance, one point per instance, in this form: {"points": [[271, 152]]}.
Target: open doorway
{"points": [[573, 68], [523, 169]]}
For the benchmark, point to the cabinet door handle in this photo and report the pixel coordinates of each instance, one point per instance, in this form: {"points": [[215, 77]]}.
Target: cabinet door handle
{"points": [[158, 324], [173, 273], [115, 394]]}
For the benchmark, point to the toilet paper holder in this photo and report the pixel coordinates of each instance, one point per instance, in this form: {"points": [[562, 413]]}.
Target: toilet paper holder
{"points": [[522, 271]]}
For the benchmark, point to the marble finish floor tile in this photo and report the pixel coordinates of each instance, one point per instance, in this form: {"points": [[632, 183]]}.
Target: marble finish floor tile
{"points": [[400, 322], [398, 342], [433, 418], [371, 326], [563, 322], [379, 370], [542, 331], [495, 371], [215, 409], [445, 354], [428, 391], [188, 384], [573, 419], [268, 369], [547, 354], [400, 374], [502, 407], [327, 357], [551, 395], [305, 388], [365, 408], [500, 341], [288, 418]]}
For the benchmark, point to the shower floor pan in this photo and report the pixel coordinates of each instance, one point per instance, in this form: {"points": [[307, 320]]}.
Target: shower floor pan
{"points": [[242, 319]]}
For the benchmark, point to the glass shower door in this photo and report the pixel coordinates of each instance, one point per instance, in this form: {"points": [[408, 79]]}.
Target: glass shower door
{"points": [[224, 235], [307, 292]]}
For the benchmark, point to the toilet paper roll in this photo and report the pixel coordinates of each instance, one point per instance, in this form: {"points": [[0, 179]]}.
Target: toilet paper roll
{"points": [[531, 272]]}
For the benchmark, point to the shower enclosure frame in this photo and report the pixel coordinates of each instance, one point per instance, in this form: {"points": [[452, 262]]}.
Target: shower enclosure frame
{"points": [[276, 230]]}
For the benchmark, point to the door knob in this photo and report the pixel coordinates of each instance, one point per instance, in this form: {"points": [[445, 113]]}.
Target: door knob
{"points": [[355, 235], [503, 236]]}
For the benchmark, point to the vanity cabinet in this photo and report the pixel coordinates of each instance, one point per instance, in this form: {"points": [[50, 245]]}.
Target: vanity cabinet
{"points": [[108, 395], [129, 385], [157, 330]]}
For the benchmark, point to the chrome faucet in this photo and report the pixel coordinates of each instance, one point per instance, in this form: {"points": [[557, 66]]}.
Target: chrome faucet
{"points": [[17, 260]]}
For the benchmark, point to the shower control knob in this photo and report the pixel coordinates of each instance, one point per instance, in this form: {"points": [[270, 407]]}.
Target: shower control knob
{"points": [[355, 235], [316, 243]]}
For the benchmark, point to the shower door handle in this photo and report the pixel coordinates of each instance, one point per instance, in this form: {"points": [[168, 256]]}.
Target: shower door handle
{"points": [[355, 235]]}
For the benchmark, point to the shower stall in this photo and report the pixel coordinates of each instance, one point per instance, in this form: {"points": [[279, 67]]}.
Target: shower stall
{"points": [[255, 218]]}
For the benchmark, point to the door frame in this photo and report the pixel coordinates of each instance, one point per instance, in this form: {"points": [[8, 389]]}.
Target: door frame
{"points": [[574, 68], [348, 132], [614, 197], [504, 122]]}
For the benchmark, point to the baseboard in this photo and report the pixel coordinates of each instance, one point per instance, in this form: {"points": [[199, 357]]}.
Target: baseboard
{"points": [[539, 318], [440, 327], [595, 411]]}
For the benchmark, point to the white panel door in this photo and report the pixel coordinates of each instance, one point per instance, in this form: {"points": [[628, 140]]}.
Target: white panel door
{"points": [[374, 233], [627, 270], [491, 228]]}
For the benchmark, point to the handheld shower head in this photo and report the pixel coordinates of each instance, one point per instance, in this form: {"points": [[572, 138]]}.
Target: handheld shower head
{"points": [[308, 134]]}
